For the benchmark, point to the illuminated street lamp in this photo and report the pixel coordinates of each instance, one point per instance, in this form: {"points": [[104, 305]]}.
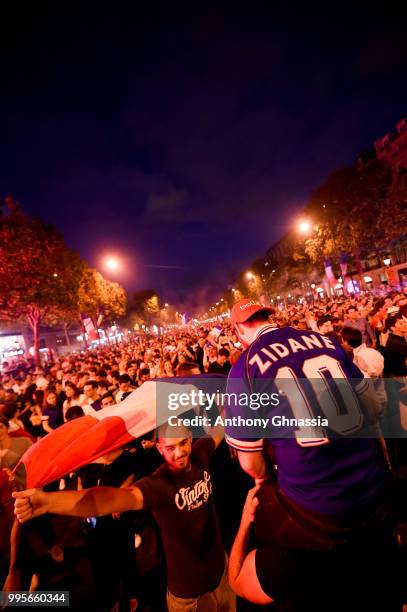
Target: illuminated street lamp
{"points": [[304, 226], [111, 263], [249, 275]]}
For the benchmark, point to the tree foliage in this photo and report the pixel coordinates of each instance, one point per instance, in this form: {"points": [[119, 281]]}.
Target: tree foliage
{"points": [[96, 292], [39, 276], [348, 209], [42, 281]]}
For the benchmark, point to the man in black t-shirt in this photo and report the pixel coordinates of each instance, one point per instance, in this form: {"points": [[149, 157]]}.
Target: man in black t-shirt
{"points": [[179, 494], [395, 353]]}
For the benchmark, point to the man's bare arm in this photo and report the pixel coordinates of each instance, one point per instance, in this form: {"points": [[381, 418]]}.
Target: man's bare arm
{"points": [[96, 501], [253, 464]]}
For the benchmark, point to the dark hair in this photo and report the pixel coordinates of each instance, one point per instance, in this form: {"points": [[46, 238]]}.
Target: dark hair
{"points": [[124, 378], [105, 395], [352, 336], [74, 412], [92, 383], [391, 321], [103, 384], [74, 387], [185, 369], [324, 319], [102, 373], [4, 420], [9, 410], [223, 352], [144, 372], [260, 315]]}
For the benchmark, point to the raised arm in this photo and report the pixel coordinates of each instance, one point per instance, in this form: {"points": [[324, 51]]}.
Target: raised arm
{"points": [[96, 501], [254, 464]]}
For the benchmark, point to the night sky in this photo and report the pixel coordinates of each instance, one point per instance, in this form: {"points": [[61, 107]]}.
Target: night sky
{"points": [[189, 136]]}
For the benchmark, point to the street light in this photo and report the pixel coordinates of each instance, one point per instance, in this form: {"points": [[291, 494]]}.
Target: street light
{"points": [[304, 226], [112, 263], [387, 261], [249, 275]]}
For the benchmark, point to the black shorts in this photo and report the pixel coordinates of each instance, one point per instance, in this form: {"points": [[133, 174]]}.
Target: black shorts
{"points": [[306, 561], [352, 578]]}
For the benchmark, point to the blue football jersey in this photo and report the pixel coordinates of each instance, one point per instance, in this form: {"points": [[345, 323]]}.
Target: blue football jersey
{"points": [[303, 392]]}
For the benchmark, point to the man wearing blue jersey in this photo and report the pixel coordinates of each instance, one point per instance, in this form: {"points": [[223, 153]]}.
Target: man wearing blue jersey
{"points": [[323, 485]]}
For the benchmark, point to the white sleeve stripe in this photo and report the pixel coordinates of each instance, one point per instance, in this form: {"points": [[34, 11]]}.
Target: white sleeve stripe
{"points": [[247, 446]]}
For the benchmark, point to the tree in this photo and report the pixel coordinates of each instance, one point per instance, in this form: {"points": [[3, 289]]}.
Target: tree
{"points": [[393, 216], [39, 276], [96, 292], [346, 211]]}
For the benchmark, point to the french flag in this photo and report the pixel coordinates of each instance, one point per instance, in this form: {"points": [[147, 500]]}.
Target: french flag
{"points": [[87, 438]]}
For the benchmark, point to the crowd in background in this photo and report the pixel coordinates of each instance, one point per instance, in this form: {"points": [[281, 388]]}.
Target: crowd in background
{"points": [[120, 556]]}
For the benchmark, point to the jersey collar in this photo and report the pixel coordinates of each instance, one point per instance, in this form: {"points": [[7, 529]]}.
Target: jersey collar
{"points": [[264, 330]]}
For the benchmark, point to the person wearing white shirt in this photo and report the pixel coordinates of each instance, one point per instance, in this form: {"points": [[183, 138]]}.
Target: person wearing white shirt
{"points": [[367, 359]]}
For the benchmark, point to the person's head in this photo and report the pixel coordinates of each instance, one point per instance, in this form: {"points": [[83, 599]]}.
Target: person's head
{"points": [[202, 341], [325, 325], [352, 338], [247, 317], [168, 368], [124, 383], [212, 352], [91, 389], [9, 410], [74, 412], [3, 428], [181, 358], [397, 324], [103, 387], [187, 369], [352, 313], [132, 371], [107, 400], [144, 375], [223, 356], [51, 399], [114, 377], [175, 446], [71, 390]]}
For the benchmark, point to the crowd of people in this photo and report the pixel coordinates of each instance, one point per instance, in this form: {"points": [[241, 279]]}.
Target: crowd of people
{"points": [[118, 559]]}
